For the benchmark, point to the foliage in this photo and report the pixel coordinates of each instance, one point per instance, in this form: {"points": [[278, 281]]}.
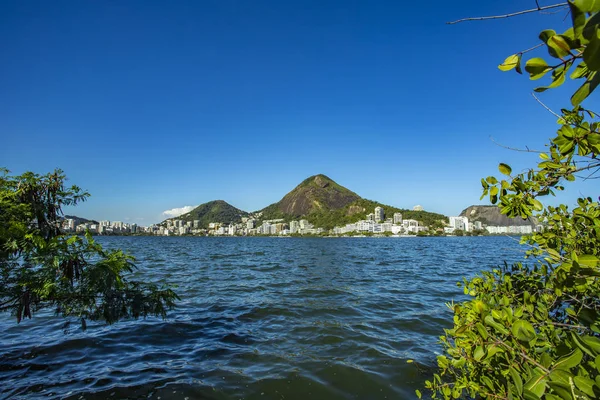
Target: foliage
{"points": [[40, 267], [358, 210], [533, 330]]}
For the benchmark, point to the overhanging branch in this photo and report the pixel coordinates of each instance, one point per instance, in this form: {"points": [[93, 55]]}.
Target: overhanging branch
{"points": [[508, 15]]}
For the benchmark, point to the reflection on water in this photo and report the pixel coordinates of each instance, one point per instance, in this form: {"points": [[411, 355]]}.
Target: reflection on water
{"points": [[267, 318]]}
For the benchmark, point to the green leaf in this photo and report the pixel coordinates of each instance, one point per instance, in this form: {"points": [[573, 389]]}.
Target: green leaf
{"points": [[560, 375], [591, 54], [591, 26], [557, 80], [523, 330], [578, 19], [510, 62], [585, 385], [505, 169], [482, 331], [489, 320], [536, 384], [569, 361], [588, 6], [517, 380], [588, 260], [559, 45], [537, 205], [580, 71], [478, 353], [586, 89], [561, 389], [593, 343], [536, 67], [546, 34]]}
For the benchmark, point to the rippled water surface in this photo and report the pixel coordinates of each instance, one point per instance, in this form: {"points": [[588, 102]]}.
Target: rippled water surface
{"points": [[268, 318]]}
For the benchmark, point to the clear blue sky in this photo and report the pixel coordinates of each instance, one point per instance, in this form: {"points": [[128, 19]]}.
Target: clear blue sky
{"points": [[153, 105]]}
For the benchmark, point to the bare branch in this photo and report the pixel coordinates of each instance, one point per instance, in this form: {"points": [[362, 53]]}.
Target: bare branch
{"points": [[526, 150], [546, 107], [509, 15], [531, 48]]}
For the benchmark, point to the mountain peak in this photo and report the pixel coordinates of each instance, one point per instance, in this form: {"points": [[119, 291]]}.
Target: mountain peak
{"points": [[315, 193], [320, 180]]}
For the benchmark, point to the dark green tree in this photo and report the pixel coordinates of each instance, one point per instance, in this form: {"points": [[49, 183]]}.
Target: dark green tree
{"points": [[532, 330], [42, 268]]}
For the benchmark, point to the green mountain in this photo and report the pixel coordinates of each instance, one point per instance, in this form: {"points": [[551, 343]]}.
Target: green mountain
{"points": [[315, 194], [213, 211], [327, 204]]}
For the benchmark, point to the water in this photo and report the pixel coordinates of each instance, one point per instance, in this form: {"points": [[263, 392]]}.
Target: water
{"points": [[260, 318]]}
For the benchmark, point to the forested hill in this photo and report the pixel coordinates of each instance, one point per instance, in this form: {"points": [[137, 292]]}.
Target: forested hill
{"points": [[317, 193], [326, 204], [213, 211], [359, 209]]}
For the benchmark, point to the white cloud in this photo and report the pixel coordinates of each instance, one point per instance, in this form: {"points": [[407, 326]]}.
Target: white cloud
{"points": [[176, 212]]}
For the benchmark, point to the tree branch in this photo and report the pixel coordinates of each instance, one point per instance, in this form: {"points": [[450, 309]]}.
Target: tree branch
{"points": [[546, 107], [508, 15]]}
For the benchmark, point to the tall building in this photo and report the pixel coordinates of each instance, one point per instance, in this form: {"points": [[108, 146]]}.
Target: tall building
{"points": [[397, 218], [294, 226], [461, 223], [379, 214]]}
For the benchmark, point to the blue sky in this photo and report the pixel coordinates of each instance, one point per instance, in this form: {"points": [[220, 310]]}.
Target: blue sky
{"points": [[154, 105]]}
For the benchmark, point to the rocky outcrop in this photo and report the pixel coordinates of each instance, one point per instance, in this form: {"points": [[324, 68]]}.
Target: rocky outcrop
{"points": [[490, 215]]}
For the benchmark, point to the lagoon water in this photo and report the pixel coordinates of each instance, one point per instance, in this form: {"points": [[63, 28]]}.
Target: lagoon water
{"points": [[260, 318]]}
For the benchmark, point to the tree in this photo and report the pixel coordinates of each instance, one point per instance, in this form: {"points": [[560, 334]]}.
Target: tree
{"points": [[41, 267], [532, 329]]}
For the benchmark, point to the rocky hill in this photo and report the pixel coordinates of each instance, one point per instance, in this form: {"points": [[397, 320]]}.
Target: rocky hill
{"points": [[79, 220], [213, 211], [326, 204], [315, 194], [490, 215]]}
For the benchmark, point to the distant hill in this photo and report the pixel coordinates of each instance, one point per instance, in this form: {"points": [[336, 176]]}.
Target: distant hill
{"points": [[315, 194], [490, 215], [326, 204], [79, 220], [213, 211]]}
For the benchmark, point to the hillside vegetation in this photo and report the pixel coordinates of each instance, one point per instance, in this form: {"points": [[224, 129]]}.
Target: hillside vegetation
{"points": [[213, 211], [326, 204]]}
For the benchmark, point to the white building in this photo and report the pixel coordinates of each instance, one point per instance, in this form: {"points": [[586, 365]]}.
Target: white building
{"points": [[397, 218], [379, 214], [294, 226], [461, 223], [418, 207]]}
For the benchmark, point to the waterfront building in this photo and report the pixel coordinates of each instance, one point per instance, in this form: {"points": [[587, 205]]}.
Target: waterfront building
{"points": [[461, 223], [294, 226], [304, 224], [397, 218], [379, 214]]}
